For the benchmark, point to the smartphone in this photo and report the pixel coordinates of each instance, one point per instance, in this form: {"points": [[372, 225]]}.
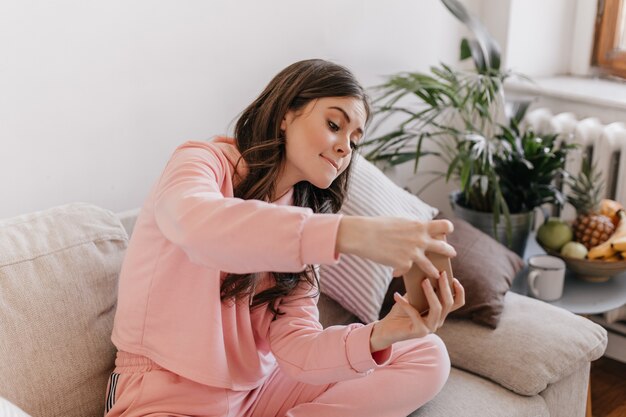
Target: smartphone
{"points": [[413, 281]]}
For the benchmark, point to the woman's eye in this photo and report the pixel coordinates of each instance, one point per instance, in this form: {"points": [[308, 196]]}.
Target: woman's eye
{"points": [[335, 128]]}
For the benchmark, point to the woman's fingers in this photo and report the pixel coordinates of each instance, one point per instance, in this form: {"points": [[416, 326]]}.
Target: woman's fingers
{"points": [[446, 297], [459, 295], [438, 310], [442, 247], [409, 243], [440, 227], [434, 314], [426, 265], [443, 303], [413, 314], [446, 291]]}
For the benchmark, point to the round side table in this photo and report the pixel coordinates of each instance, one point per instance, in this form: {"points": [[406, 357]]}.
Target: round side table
{"points": [[579, 296]]}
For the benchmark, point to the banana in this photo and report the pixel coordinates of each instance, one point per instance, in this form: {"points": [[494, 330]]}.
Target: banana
{"points": [[605, 250], [602, 251], [619, 244], [610, 208], [614, 258]]}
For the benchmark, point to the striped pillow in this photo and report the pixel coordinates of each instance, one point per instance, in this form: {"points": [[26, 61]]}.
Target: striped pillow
{"points": [[359, 285]]}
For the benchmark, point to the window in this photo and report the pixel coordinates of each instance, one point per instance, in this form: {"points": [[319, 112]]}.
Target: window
{"points": [[609, 52]]}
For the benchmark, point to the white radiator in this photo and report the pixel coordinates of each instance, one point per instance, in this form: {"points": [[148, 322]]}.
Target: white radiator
{"points": [[606, 143]]}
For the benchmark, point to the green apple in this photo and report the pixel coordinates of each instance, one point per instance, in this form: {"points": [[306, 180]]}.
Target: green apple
{"points": [[554, 233], [574, 250]]}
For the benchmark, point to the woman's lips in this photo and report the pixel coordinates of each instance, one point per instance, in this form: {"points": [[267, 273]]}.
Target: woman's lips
{"points": [[330, 162]]}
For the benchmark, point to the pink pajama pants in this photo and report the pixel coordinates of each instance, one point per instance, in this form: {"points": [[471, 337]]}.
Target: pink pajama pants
{"points": [[416, 372]]}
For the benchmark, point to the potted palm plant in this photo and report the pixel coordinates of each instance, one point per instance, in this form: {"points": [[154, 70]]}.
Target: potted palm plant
{"points": [[460, 116]]}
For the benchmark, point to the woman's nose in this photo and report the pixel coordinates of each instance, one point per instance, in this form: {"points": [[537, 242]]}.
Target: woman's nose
{"points": [[342, 146]]}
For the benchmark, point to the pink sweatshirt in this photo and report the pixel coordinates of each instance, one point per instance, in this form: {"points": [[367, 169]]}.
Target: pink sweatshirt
{"points": [[190, 232]]}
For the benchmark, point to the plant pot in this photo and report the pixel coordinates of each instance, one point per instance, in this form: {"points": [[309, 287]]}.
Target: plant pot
{"points": [[521, 224]]}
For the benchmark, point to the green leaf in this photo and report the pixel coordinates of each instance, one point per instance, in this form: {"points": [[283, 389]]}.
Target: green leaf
{"points": [[518, 110], [465, 49], [478, 56], [487, 44]]}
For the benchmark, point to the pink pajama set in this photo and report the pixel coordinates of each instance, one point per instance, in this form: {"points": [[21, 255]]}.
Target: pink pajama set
{"points": [[182, 352]]}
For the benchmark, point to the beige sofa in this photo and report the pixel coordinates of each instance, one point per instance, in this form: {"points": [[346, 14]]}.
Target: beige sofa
{"points": [[58, 276]]}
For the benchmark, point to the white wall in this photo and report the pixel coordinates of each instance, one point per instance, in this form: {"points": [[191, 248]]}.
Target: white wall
{"points": [[542, 38], [540, 34], [94, 95]]}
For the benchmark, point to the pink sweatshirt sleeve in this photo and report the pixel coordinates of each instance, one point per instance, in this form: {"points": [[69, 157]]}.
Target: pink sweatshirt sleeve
{"points": [[311, 354], [231, 234]]}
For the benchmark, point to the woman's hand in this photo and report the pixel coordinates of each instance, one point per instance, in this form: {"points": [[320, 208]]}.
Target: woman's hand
{"points": [[404, 322], [395, 242]]}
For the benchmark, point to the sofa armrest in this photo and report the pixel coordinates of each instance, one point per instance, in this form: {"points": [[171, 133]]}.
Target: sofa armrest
{"points": [[535, 345]]}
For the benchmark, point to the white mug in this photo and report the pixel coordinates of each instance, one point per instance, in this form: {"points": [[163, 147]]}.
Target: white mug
{"points": [[546, 277]]}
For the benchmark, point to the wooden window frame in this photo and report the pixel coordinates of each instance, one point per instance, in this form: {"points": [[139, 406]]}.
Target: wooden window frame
{"points": [[606, 56]]}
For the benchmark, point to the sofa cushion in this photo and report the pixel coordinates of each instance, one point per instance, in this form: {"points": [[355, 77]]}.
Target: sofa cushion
{"points": [[58, 283], [359, 285], [535, 344], [332, 313], [465, 394], [483, 266]]}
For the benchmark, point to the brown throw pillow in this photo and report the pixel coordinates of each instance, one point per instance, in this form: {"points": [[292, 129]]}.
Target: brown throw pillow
{"points": [[484, 267]]}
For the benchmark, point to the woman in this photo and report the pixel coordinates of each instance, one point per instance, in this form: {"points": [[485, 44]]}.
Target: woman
{"points": [[202, 329]]}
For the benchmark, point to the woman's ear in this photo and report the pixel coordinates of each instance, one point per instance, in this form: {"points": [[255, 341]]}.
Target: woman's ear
{"points": [[287, 119]]}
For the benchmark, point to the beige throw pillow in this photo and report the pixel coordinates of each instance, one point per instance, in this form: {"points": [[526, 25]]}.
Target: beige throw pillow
{"points": [[58, 284]]}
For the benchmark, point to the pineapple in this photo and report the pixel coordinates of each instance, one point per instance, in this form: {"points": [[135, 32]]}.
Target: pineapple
{"points": [[590, 227]]}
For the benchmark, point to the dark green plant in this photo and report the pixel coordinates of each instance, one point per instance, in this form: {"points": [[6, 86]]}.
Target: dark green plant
{"points": [[459, 117], [532, 173]]}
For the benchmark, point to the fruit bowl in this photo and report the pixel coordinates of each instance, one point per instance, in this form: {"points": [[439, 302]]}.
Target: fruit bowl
{"points": [[590, 270]]}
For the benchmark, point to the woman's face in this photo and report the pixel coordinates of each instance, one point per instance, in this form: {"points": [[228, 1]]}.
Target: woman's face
{"points": [[319, 140]]}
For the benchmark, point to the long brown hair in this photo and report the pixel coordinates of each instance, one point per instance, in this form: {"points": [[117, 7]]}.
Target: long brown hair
{"points": [[262, 145]]}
